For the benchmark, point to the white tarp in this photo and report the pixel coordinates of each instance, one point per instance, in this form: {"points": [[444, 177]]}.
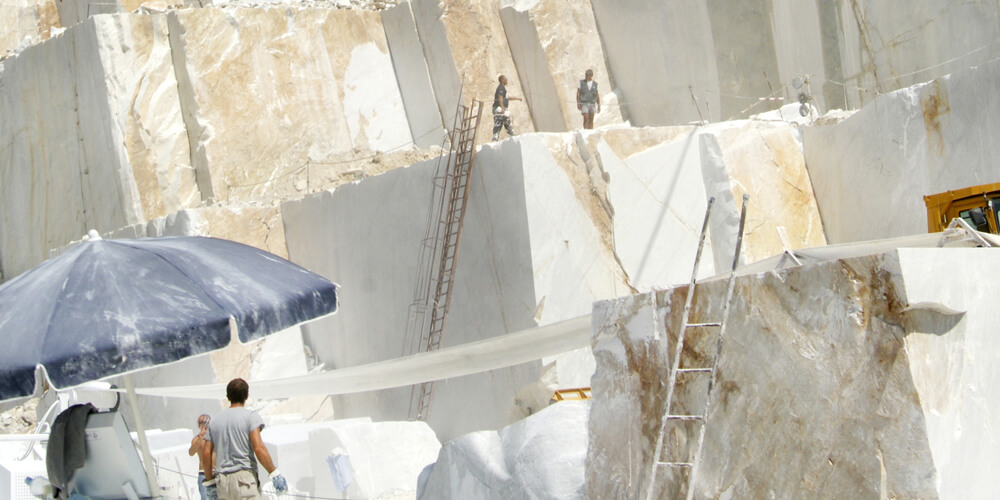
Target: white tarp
{"points": [[476, 357]]}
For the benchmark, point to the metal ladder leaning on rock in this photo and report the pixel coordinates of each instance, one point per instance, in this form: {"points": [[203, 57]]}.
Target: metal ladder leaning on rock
{"points": [[675, 368], [448, 235]]}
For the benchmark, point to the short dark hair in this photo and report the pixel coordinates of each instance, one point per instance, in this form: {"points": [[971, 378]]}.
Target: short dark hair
{"points": [[501, 79], [237, 390]]}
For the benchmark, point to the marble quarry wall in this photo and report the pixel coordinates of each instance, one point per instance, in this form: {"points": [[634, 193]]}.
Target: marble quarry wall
{"points": [[311, 82], [230, 123], [698, 60], [540, 243], [64, 166], [551, 62], [518, 251], [466, 49], [884, 48], [128, 118], [414, 77], [25, 22], [869, 388], [921, 140], [204, 105], [662, 191]]}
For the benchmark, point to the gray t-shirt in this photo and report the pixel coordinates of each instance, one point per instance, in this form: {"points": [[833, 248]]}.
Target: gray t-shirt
{"points": [[229, 432]]}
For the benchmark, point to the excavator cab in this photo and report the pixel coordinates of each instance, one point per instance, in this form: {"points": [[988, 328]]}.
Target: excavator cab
{"points": [[979, 206]]}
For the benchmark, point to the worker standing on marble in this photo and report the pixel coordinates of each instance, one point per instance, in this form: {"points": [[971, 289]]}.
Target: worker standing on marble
{"points": [[197, 445], [588, 100], [501, 115], [234, 436]]}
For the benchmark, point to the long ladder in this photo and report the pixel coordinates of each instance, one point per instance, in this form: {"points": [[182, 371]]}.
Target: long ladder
{"points": [[710, 371], [448, 237]]}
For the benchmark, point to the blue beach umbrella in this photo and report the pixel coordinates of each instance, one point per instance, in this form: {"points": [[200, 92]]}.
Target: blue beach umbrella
{"points": [[108, 307]]}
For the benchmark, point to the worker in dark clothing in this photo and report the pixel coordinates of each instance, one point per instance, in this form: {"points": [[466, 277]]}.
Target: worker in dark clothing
{"points": [[501, 115], [588, 100]]}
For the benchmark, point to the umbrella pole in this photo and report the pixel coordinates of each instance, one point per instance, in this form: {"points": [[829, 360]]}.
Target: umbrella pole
{"points": [[140, 430]]}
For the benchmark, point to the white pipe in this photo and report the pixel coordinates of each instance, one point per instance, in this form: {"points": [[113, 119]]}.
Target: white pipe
{"points": [[23, 437], [140, 430]]}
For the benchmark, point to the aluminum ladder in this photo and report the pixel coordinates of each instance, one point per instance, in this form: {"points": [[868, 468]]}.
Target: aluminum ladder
{"points": [[448, 235], [710, 371]]}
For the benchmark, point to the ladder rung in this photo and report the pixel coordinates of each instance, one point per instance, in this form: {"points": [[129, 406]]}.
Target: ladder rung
{"points": [[703, 325], [694, 370], [685, 417], [675, 464]]}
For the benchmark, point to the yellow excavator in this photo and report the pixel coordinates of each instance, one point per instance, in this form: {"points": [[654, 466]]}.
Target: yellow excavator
{"points": [[976, 205]]}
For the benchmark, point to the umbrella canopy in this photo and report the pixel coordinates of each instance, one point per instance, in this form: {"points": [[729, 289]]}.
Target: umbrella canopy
{"points": [[107, 307]]}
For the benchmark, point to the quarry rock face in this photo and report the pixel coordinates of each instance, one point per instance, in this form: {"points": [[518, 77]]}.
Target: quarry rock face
{"points": [[655, 81], [525, 236], [67, 167], [862, 377], [174, 110], [540, 244], [735, 54], [910, 143], [466, 50], [146, 112], [26, 21], [553, 43], [541, 456], [416, 90], [253, 225], [282, 88], [883, 49], [659, 195], [825, 369], [765, 160], [148, 120]]}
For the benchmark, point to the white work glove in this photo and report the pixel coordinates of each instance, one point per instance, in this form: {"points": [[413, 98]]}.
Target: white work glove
{"points": [[279, 481], [39, 486]]}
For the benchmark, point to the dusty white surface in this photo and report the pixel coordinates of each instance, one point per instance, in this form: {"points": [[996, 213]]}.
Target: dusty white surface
{"points": [[951, 363], [542, 456], [382, 459], [187, 107]]}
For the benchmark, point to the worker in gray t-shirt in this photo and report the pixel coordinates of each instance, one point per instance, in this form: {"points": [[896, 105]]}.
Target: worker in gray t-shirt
{"points": [[234, 436]]}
